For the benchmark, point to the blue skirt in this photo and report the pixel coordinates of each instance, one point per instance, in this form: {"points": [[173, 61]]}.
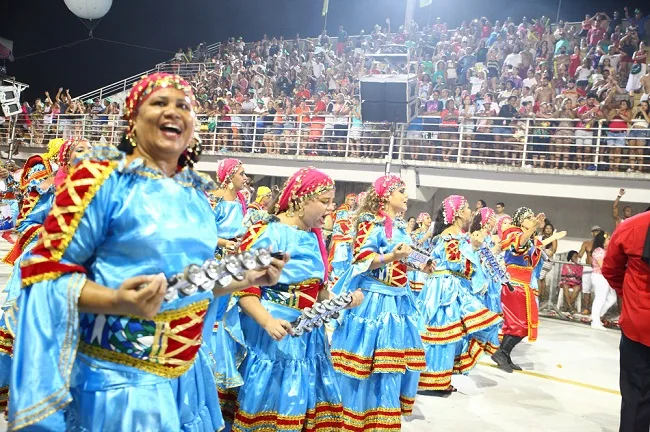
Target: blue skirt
{"points": [[379, 353], [116, 401], [455, 331], [289, 385]]}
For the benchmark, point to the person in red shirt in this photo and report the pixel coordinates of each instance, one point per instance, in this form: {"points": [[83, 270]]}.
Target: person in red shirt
{"points": [[627, 269]]}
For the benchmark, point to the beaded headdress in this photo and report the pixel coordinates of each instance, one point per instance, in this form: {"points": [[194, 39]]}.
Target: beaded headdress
{"points": [[451, 206], [422, 216], [301, 187], [486, 214], [520, 215]]}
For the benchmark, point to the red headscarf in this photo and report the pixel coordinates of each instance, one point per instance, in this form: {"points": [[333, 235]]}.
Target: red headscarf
{"points": [[384, 186], [500, 223], [226, 169], [149, 85], [63, 158], [301, 187]]}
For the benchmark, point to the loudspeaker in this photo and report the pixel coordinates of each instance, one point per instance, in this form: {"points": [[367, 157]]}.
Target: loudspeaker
{"points": [[373, 90], [9, 94], [401, 88], [400, 112], [374, 112], [388, 98], [11, 108]]}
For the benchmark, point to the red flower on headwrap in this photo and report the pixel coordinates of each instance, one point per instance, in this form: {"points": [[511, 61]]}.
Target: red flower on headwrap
{"points": [[149, 85], [226, 169], [451, 206], [486, 214], [304, 185], [384, 186]]}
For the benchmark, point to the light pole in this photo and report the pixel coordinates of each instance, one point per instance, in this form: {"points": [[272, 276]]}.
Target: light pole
{"points": [[559, 6]]}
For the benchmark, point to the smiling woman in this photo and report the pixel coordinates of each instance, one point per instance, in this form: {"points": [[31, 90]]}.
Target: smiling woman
{"points": [[120, 355]]}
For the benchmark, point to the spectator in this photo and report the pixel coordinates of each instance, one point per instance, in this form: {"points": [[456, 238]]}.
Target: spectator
{"points": [[604, 295], [627, 210], [550, 250], [627, 269], [571, 280]]}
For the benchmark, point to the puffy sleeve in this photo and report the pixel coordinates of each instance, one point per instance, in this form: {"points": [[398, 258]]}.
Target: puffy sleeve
{"points": [[513, 242], [370, 240], [54, 273]]}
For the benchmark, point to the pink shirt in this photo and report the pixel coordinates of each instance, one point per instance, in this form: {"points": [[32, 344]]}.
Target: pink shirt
{"points": [[597, 258]]}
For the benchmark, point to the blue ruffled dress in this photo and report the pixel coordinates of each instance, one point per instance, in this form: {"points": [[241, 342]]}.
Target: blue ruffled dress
{"points": [[27, 229], [377, 348], [455, 324], [289, 385], [112, 220]]}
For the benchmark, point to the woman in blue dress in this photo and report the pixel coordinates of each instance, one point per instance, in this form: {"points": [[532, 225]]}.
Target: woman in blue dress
{"points": [[230, 205], [29, 227], [422, 240], [119, 356], [456, 325], [377, 348], [289, 382]]}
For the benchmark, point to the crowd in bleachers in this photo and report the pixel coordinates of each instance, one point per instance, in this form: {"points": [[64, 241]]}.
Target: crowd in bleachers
{"points": [[573, 95]]}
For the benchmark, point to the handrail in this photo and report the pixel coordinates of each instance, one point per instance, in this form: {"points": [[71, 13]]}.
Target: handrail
{"points": [[126, 83], [529, 147]]}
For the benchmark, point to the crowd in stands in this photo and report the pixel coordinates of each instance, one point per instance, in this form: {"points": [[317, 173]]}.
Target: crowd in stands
{"points": [[574, 96]]}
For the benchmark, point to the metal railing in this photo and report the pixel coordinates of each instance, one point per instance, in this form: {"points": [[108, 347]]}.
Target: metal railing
{"points": [[527, 144], [126, 83], [572, 299]]}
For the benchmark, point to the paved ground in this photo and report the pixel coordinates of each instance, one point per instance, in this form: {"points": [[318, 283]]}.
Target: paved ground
{"points": [[570, 384]]}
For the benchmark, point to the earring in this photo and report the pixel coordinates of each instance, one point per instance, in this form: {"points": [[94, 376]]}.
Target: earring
{"points": [[131, 138], [301, 213], [231, 186]]}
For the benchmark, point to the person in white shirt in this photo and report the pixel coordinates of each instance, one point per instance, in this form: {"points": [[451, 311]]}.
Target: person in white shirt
{"points": [[530, 81]]}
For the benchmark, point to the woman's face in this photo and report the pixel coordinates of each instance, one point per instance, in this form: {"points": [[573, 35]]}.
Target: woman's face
{"points": [[239, 179], [164, 123], [317, 209], [465, 214], [426, 221], [491, 223], [398, 200], [645, 106], [411, 222], [548, 230], [528, 223]]}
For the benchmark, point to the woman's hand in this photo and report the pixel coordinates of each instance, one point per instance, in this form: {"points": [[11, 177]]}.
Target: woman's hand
{"points": [[141, 296], [277, 328], [231, 246], [268, 276], [429, 267], [401, 251], [357, 299]]}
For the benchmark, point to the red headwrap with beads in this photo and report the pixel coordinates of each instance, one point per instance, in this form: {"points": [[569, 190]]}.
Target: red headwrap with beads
{"points": [[226, 169], [384, 186], [304, 185]]}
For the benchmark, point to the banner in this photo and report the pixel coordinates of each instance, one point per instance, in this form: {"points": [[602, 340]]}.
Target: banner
{"points": [[6, 49], [326, 5], [424, 3]]}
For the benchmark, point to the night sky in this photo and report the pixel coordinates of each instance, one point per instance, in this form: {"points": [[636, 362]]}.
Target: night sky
{"points": [[38, 25]]}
